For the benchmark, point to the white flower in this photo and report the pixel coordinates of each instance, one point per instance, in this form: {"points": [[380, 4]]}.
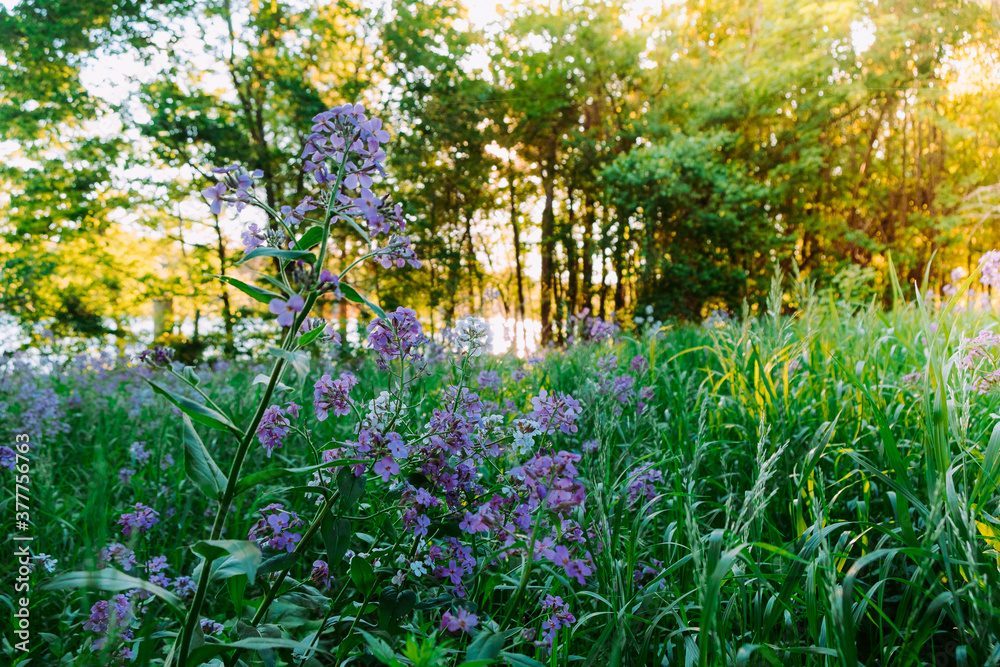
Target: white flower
{"points": [[381, 411], [524, 432], [418, 568], [473, 335], [649, 310], [399, 578], [47, 561]]}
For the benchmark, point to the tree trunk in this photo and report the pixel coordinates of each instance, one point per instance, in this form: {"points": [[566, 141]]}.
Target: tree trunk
{"points": [[619, 258], [587, 277], [548, 242], [518, 271], [572, 258]]}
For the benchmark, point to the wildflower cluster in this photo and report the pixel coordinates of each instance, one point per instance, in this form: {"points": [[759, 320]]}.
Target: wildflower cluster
{"points": [[331, 395], [275, 425], [642, 485], [141, 520], [584, 327], [396, 337], [156, 357], [276, 529], [473, 336], [558, 616], [557, 411], [978, 355]]}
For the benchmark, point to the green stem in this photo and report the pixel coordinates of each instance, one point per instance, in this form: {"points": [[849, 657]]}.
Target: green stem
{"points": [[329, 210], [194, 613], [272, 592], [299, 548]]}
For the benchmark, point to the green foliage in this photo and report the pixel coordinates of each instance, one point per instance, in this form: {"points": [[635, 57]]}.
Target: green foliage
{"points": [[698, 223], [804, 514]]}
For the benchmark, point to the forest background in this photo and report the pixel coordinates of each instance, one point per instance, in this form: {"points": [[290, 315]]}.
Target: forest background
{"points": [[626, 158]]}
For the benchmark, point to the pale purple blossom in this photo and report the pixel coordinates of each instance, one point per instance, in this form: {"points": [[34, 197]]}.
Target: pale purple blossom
{"points": [[210, 627], [213, 195], [274, 426], [277, 528], [331, 395], [556, 411], [464, 621], [8, 457], [142, 520], [286, 310]]}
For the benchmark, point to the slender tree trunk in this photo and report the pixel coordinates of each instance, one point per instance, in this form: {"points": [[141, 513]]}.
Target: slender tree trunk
{"points": [[519, 274], [572, 258], [604, 285], [587, 277], [548, 242], [619, 257], [471, 261]]}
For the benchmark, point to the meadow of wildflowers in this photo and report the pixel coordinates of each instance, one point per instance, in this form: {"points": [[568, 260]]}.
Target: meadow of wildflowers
{"points": [[813, 489]]}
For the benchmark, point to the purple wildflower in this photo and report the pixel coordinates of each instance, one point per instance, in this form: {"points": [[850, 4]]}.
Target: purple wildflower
{"points": [[286, 310], [213, 195], [275, 530], [8, 457], [274, 426], [252, 238], [210, 627], [464, 621], [184, 587], [156, 357], [142, 519], [395, 337], [555, 411], [321, 573], [331, 395], [139, 453]]}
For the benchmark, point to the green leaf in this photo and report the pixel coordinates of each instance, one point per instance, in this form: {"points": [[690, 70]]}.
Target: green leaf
{"points": [[362, 575], [312, 237], [244, 555], [283, 255], [260, 378], [196, 411], [351, 487], [247, 631], [380, 649], [277, 563], [386, 603], [190, 376], [519, 660], [989, 476], [486, 646], [354, 295], [252, 291], [262, 644], [110, 579], [311, 335], [199, 464], [298, 360], [337, 537], [405, 603], [237, 585], [269, 474]]}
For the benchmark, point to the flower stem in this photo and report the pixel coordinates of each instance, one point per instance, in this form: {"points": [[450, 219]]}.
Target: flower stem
{"points": [[194, 613]]}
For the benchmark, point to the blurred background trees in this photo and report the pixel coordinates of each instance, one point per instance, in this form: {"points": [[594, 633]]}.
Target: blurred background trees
{"points": [[570, 155]]}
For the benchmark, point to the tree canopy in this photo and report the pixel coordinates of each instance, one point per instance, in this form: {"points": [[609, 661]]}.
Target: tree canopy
{"points": [[571, 155]]}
